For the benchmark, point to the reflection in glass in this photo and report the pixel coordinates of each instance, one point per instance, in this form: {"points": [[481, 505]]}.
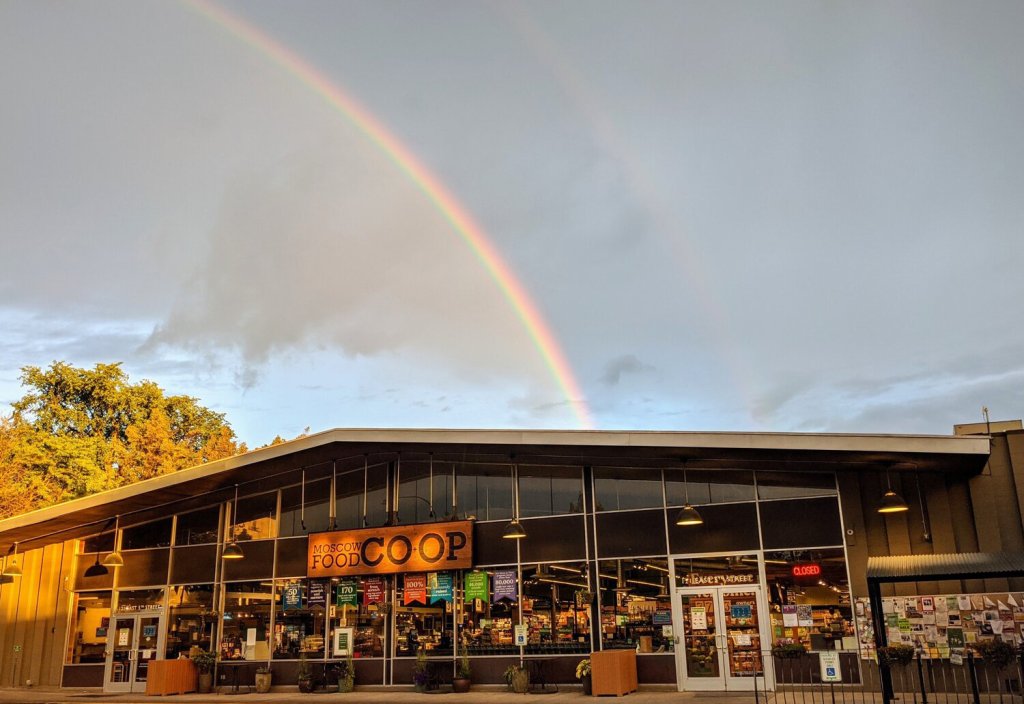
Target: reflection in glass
{"points": [[156, 534], [255, 519], [709, 486], [789, 485], [618, 489], [190, 619], [198, 527], [245, 634], [90, 622], [317, 507], [485, 491], [550, 491]]}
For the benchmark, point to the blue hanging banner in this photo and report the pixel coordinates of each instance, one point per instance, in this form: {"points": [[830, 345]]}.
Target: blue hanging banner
{"points": [[442, 588], [291, 596]]}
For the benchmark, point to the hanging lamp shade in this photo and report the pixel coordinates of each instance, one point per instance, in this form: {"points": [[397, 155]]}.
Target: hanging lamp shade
{"points": [[514, 530], [233, 551], [114, 559], [892, 503], [689, 516], [96, 569]]}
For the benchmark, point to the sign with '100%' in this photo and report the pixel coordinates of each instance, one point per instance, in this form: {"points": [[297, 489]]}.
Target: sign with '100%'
{"points": [[431, 547]]}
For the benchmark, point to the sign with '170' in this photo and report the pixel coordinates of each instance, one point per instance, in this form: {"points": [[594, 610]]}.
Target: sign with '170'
{"points": [[431, 547]]}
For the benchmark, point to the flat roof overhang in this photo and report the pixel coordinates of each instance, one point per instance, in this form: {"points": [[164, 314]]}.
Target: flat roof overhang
{"points": [[261, 469]]}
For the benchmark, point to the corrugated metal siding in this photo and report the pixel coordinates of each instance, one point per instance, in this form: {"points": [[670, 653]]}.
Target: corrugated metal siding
{"points": [[947, 565]]}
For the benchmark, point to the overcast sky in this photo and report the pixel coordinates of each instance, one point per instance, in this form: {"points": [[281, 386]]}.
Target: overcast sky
{"points": [[777, 216]]}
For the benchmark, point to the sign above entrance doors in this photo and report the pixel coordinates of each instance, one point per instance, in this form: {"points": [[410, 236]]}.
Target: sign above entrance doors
{"points": [[430, 547], [704, 579]]}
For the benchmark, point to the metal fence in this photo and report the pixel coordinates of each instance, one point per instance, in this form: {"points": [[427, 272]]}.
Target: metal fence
{"points": [[797, 680]]}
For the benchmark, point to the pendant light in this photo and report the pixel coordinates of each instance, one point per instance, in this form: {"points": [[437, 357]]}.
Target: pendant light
{"points": [[688, 515], [96, 569], [891, 501], [114, 559], [514, 530], [11, 568], [232, 551]]}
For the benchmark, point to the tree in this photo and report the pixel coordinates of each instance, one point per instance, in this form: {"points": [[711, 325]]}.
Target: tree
{"points": [[77, 431]]}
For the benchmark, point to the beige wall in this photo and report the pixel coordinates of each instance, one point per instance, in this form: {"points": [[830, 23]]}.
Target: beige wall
{"points": [[34, 617]]}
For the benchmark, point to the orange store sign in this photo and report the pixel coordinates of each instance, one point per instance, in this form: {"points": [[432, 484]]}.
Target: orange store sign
{"points": [[429, 547]]}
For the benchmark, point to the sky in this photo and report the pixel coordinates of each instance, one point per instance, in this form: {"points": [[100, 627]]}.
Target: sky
{"points": [[744, 216]]}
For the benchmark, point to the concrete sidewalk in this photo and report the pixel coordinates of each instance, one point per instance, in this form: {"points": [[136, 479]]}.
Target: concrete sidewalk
{"points": [[367, 696]]}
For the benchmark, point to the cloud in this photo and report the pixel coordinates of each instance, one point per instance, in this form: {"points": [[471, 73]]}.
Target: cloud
{"points": [[625, 364]]}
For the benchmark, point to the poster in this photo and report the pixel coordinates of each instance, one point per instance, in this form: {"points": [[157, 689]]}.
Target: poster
{"points": [[505, 586], [415, 588], [348, 593], [250, 637], [698, 619], [520, 634], [373, 590], [342, 641], [123, 634], [442, 588], [789, 616], [291, 596], [955, 637], [476, 586], [804, 615], [149, 631], [317, 594], [963, 602]]}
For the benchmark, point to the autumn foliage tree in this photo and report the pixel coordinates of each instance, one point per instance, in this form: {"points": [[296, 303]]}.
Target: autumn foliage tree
{"points": [[78, 431]]}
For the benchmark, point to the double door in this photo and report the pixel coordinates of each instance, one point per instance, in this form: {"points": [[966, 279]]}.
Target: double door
{"points": [[720, 646], [133, 641]]}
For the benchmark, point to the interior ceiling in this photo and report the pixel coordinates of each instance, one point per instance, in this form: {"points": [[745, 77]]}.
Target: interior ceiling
{"points": [[258, 476]]}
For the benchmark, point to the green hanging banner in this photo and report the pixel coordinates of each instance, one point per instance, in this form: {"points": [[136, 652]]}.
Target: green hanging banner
{"points": [[476, 586], [348, 592]]}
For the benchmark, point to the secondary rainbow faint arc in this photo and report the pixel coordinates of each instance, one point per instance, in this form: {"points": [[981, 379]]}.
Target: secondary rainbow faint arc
{"points": [[428, 183]]}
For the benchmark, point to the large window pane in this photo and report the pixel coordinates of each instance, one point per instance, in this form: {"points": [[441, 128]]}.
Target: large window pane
{"points": [[367, 621], [709, 486], [349, 501], [198, 527], [486, 626], [255, 519], [190, 620], [104, 542], [635, 604], [246, 607], [424, 489], [557, 620], [90, 619], [376, 495], [423, 622], [317, 508], [156, 534], [299, 626], [625, 488], [550, 491], [790, 485], [810, 598], [485, 491]]}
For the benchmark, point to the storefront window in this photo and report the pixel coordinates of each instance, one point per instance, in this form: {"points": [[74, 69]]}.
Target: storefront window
{"points": [[708, 486], [299, 628], [255, 519], [810, 599], [130, 601], [104, 542], [635, 605], [245, 634], [198, 527], [349, 499], [555, 608], [156, 534], [191, 619], [317, 508], [376, 513], [791, 485], [618, 489], [425, 492], [550, 491], [90, 619], [485, 491], [486, 618], [353, 610], [423, 615], [727, 571]]}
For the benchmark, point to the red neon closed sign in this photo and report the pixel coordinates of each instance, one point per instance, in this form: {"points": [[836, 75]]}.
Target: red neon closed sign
{"points": [[809, 570]]}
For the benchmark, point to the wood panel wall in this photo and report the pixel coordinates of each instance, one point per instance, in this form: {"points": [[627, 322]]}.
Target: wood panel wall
{"points": [[34, 617]]}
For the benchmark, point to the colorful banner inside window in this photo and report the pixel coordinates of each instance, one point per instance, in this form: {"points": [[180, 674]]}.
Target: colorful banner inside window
{"points": [[505, 586], [476, 586], [441, 587], [348, 593], [373, 590], [415, 589]]}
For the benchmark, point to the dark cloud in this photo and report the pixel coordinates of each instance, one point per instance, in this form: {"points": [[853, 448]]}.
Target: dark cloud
{"points": [[625, 364]]}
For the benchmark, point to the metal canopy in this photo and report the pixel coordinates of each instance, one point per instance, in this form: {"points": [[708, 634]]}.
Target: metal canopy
{"points": [[963, 565]]}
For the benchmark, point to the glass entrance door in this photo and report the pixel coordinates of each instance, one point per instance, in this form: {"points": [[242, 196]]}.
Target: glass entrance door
{"points": [[133, 641], [720, 642]]}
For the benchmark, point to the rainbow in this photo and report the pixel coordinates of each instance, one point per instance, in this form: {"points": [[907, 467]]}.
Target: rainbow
{"points": [[442, 200]]}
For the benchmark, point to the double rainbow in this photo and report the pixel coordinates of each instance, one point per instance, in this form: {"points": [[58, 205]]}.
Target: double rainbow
{"points": [[445, 203]]}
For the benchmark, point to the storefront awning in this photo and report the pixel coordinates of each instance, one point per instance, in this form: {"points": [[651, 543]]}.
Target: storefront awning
{"points": [[963, 565]]}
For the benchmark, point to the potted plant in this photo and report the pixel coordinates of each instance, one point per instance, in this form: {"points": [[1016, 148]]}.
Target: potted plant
{"points": [[262, 679], [204, 661], [463, 674], [788, 651], [305, 675], [517, 678], [420, 673], [347, 676], [898, 654], [998, 653], [583, 675]]}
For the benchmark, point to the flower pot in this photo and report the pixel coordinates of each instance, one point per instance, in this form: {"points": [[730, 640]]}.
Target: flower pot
{"points": [[461, 684], [305, 685], [520, 682], [205, 684], [262, 682], [346, 684], [587, 685]]}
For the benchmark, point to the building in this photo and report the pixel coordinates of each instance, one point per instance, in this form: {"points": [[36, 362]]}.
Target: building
{"points": [[700, 550]]}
